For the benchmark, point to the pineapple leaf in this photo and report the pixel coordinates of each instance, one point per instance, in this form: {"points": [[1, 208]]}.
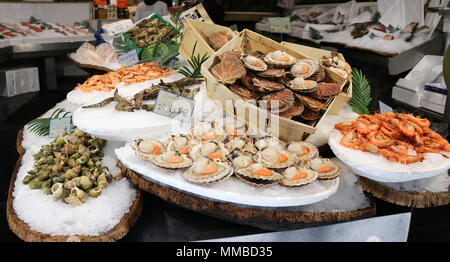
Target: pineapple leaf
{"points": [[361, 93]]}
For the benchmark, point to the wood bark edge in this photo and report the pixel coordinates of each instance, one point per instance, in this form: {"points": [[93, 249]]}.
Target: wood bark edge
{"points": [[405, 198]]}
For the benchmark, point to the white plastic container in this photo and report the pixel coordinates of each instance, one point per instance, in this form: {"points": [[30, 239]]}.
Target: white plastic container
{"points": [[18, 81]]}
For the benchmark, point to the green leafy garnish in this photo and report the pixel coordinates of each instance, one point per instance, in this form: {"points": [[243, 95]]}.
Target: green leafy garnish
{"points": [[123, 44], [361, 93], [413, 31], [167, 50], [41, 126], [175, 18], [375, 17], [315, 34], [196, 64]]}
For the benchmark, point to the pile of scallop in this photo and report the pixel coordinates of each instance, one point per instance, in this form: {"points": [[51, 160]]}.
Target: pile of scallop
{"points": [[211, 153], [277, 81]]}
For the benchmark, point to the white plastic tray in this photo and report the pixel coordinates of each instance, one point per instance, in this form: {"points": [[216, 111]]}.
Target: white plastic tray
{"points": [[377, 168], [231, 190]]}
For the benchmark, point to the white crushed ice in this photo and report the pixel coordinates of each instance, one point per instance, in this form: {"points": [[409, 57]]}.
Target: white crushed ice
{"points": [[378, 44], [435, 184], [95, 217], [349, 197]]}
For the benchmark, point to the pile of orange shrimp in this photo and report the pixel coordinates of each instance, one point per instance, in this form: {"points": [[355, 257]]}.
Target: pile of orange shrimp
{"points": [[393, 136], [130, 75]]}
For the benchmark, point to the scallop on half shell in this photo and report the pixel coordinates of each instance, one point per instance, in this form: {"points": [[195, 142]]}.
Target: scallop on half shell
{"points": [[172, 160], [304, 68], [258, 175], [279, 58], [181, 143], [275, 158], [206, 131], [210, 149], [147, 148], [298, 176], [206, 171], [302, 150], [324, 167], [254, 63], [301, 85]]}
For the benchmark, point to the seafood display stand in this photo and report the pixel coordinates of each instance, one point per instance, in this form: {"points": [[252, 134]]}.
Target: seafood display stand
{"points": [[26, 233], [374, 176], [22, 230]]}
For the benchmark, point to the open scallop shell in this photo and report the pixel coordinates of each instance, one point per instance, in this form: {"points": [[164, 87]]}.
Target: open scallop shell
{"points": [[302, 150], [167, 160], [258, 175], [145, 148], [235, 128], [324, 167], [198, 174], [211, 149], [298, 176], [181, 143], [241, 143], [228, 71], [268, 141], [304, 68], [205, 131], [240, 161], [279, 58], [301, 85], [311, 103], [254, 63], [272, 158]]}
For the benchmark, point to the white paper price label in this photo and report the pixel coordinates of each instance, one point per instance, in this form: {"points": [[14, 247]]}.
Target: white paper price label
{"points": [[174, 106], [60, 125], [129, 58], [385, 108], [279, 24]]}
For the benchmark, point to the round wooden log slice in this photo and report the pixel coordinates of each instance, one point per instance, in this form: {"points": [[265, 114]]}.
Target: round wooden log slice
{"points": [[266, 219], [19, 148], [405, 198], [90, 69], [23, 231]]}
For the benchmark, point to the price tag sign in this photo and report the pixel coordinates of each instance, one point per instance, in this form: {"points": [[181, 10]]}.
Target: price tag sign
{"points": [[60, 125], [129, 58], [174, 106], [279, 24]]}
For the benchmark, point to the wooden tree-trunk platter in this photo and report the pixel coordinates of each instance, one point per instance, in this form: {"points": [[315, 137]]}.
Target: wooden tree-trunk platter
{"points": [[405, 198], [90, 69], [23, 231], [266, 219]]}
